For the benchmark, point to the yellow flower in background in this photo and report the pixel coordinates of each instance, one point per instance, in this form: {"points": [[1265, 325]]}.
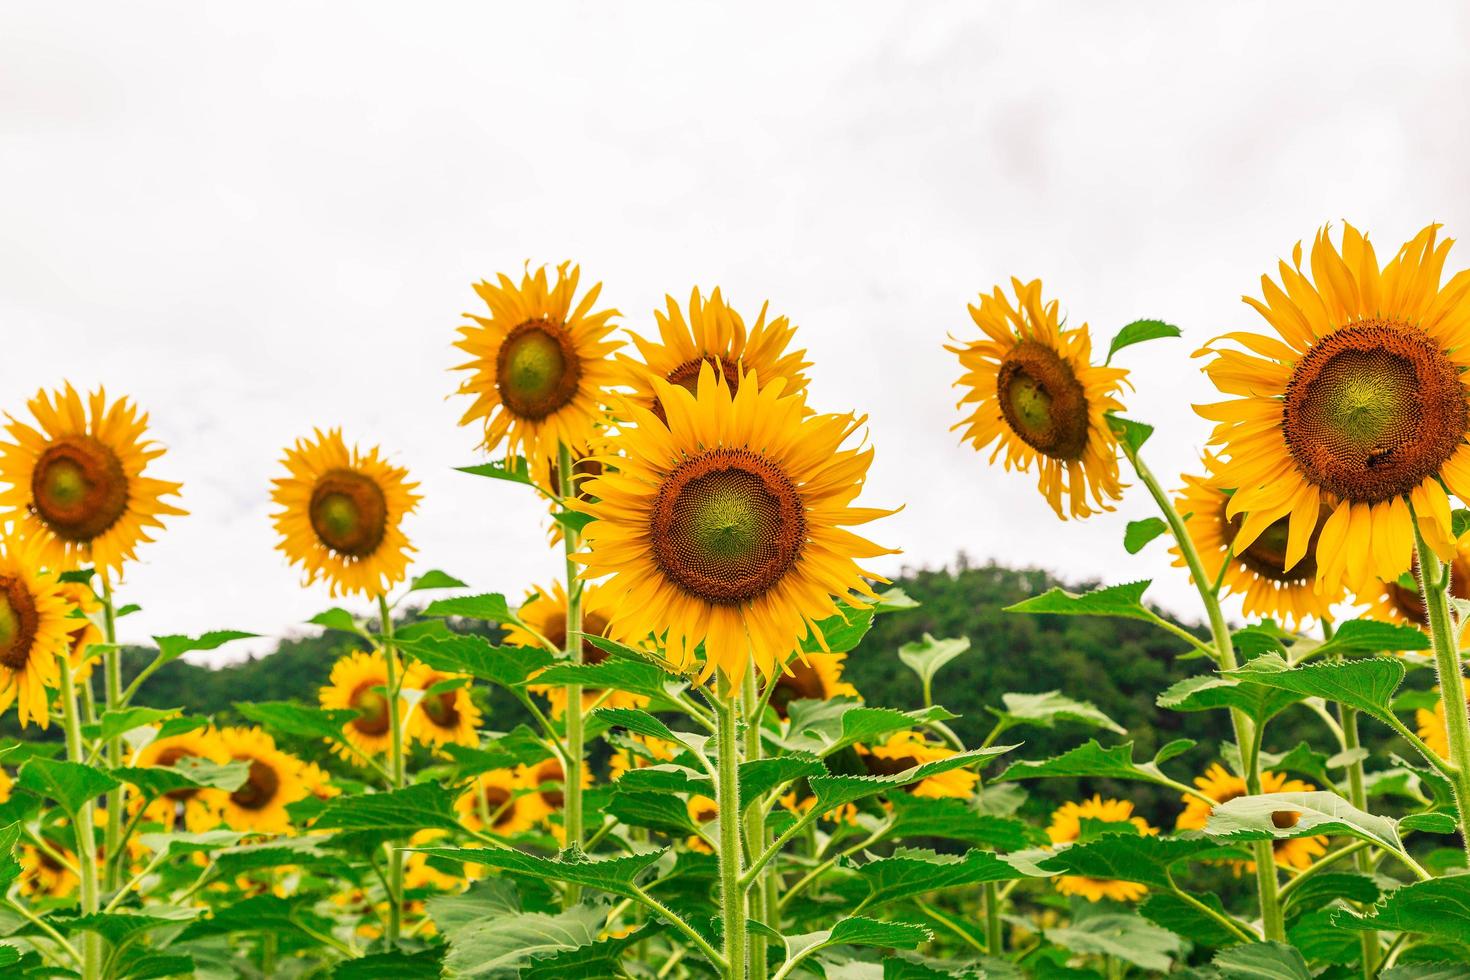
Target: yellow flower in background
{"points": [[549, 779], [713, 334], [1432, 729], [649, 751], [274, 781], [904, 750], [1221, 785], [200, 807], [1257, 571], [359, 682], [726, 527], [449, 716], [1041, 400], [419, 873], [502, 802], [540, 364], [84, 633], [318, 782], [1355, 407], [702, 810], [76, 482], [810, 677], [341, 515], [35, 629], [545, 611], [7, 783], [1066, 827], [42, 876], [1395, 602]]}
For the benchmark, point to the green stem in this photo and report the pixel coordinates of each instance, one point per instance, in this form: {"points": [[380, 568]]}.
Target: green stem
{"points": [[1435, 582], [727, 800], [45, 927], [395, 768], [1233, 927], [572, 769], [994, 938], [86, 835], [755, 832], [112, 667], [1358, 797], [672, 917], [1245, 733]]}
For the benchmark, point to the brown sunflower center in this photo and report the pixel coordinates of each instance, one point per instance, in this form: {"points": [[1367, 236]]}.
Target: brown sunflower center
{"points": [[442, 709], [1410, 602], [1373, 410], [496, 798], [705, 813], [727, 525], [584, 470], [79, 488], [804, 683], [593, 624], [891, 766], [550, 772], [686, 376], [18, 623], [349, 513], [537, 369], [1042, 400], [1266, 555], [259, 788], [371, 705], [169, 757]]}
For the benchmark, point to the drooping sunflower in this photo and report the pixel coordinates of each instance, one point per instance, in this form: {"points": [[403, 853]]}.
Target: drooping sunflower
{"points": [[810, 677], [905, 749], [726, 526], [200, 808], [1399, 600], [35, 629], [359, 682], [502, 802], [274, 781], [545, 611], [1432, 727], [1257, 571], [76, 481], [712, 334], [1041, 400], [1356, 407], [1066, 827], [42, 876], [448, 716], [1222, 785], [540, 367], [342, 514]]}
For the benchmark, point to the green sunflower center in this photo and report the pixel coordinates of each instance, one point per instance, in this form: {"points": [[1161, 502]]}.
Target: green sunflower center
{"points": [[727, 525], [18, 622], [804, 683], [537, 369], [1266, 555], [260, 786], [1373, 410], [349, 513], [686, 376], [1042, 401], [372, 708], [79, 488]]}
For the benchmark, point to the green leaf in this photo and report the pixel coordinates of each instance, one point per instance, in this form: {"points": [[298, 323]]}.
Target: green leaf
{"points": [[894, 599], [1131, 433], [1120, 601], [402, 811], [1137, 332], [637, 721], [824, 726], [435, 579], [908, 872], [1169, 750], [288, 718], [259, 913], [1459, 522], [1368, 636], [335, 619], [1046, 710], [575, 520], [1439, 908], [125, 922], [957, 820], [1262, 961], [171, 648], [656, 811], [840, 632], [114, 723], [1319, 941], [620, 673], [490, 607], [185, 774], [1437, 970], [1128, 857], [423, 965], [1171, 912], [925, 657], [514, 470], [1126, 936], [1279, 816], [1139, 533], [613, 875], [465, 653], [70, 784], [1366, 684], [1265, 637], [759, 776], [855, 931], [835, 791], [497, 946], [1436, 822], [1318, 890], [603, 958], [1089, 759], [1204, 692], [9, 866]]}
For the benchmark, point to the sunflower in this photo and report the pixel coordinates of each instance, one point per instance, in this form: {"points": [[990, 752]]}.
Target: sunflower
{"points": [[724, 527], [1221, 785], [1041, 400], [906, 749], [201, 808], [259, 805], [540, 368], [548, 778], [318, 782], [1355, 408], [85, 634], [702, 810], [341, 514], [449, 716], [1432, 728], [545, 611], [644, 751], [810, 677], [713, 334], [35, 629], [588, 463], [1400, 601], [42, 876], [1066, 827], [359, 683], [1256, 571], [502, 802], [76, 483]]}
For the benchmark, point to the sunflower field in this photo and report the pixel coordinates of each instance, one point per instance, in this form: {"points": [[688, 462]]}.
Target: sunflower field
{"points": [[699, 791]]}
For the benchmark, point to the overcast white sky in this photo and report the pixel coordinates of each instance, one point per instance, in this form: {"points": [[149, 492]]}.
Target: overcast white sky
{"points": [[256, 218]]}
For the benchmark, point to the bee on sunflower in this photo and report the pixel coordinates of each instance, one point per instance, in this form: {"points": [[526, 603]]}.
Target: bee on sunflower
{"points": [[76, 482], [724, 528], [341, 514], [445, 717], [545, 613], [903, 751], [1066, 827], [359, 682], [809, 677], [1356, 407], [1040, 399], [1221, 785], [35, 629], [540, 368], [273, 782]]}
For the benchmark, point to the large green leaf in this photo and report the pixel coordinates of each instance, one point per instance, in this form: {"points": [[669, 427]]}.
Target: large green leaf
{"points": [[835, 791], [1204, 692], [1088, 759], [613, 875], [401, 811], [958, 820], [908, 872], [603, 958], [9, 866], [760, 776], [1144, 858], [1321, 889], [465, 653], [490, 607], [840, 632], [127, 922], [71, 784], [513, 470], [435, 579], [1366, 684], [1169, 911], [1048, 709], [635, 676], [423, 965], [856, 930], [656, 811], [1262, 961], [1139, 533], [823, 727], [258, 913], [114, 723], [1121, 601], [188, 773], [1367, 636], [496, 946], [1439, 907], [1123, 935], [1287, 815]]}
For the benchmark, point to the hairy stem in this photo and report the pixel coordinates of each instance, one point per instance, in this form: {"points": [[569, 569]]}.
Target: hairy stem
{"points": [[761, 908], [572, 768], [112, 670], [86, 835], [727, 801], [1434, 578], [395, 768]]}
